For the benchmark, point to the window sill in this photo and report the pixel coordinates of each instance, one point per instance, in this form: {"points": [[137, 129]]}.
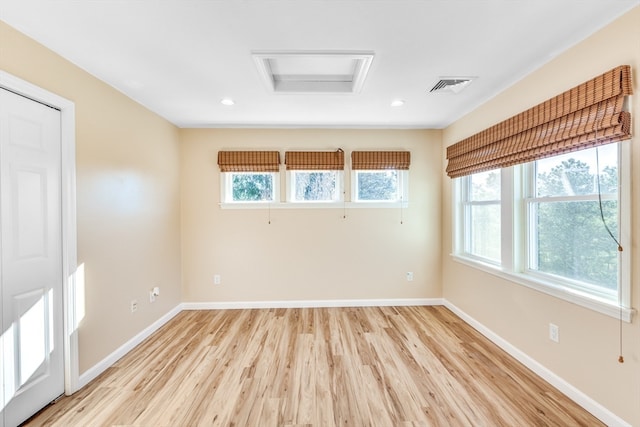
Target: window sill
{"points": [[582, 299], [315, 205]]}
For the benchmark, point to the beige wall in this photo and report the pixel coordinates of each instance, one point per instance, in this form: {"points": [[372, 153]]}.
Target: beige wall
{"points": [[587, 353], [134, 177], [127, 196], [308, 254]]}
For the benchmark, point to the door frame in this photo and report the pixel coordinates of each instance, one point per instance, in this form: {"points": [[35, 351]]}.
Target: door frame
{"points": [[72, 287]]}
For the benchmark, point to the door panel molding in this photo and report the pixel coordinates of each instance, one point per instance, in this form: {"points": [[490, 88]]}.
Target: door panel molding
{"points": [[71, 303]]}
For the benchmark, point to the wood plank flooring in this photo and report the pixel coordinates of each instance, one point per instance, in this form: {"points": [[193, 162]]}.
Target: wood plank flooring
{"points": [[373, 366]]}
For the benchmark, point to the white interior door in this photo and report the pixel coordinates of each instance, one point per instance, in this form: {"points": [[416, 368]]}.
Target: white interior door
{"points": [[31, 345]]}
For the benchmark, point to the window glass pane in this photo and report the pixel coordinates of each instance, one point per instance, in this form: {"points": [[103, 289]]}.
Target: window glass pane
{"points": [[484, 235], [485, 186], [252, 187], [377, 185], [571, 241], [574, 174], [314, 185], [568, 237]]}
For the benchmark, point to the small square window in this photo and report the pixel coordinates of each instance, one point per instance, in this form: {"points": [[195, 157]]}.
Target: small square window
{"points": [[379, 185], [315, 186], [249, 187]]}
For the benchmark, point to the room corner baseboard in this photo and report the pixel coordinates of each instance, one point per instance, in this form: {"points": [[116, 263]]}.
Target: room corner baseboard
{"points": [[596, 409], [311, 303], [108, 361]]}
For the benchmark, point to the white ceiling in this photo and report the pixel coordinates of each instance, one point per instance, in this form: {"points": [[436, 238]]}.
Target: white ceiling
{"points": [[179, 58]]}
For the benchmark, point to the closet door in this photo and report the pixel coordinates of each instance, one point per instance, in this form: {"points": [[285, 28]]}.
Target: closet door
{"points": [[31, 362]]}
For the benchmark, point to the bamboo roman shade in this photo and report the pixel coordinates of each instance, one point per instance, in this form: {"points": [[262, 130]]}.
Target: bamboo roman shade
{"points": [[314, 160], [362, 160], [249, 161], [588, 115]]}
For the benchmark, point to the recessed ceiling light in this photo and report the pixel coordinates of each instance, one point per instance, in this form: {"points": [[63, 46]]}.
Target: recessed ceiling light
{"points": [[227, 101], [397, 103]]}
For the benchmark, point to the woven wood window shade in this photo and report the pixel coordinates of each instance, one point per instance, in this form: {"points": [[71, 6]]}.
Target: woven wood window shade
{"points": [[363, 160], [314, 160], [586, 116], [249, 161]]}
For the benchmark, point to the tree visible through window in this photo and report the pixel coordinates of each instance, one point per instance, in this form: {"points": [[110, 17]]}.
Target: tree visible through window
{"points": [[314, 185], [377, 185], [252, 187], [569, 238]]}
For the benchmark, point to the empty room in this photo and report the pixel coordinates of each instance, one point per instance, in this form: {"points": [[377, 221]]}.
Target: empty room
{"points": [[319, 213]]}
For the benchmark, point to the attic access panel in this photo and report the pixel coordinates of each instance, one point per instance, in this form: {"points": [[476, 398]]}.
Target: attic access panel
{"points": [[313, 72]]}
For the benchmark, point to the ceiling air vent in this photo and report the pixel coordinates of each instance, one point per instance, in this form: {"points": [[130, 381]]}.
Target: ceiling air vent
{"points": [[451, 84]]}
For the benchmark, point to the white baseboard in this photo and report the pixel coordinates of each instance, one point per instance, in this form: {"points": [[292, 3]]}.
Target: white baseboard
{"points": [[311, 303], [108, 361], [596, 409]]}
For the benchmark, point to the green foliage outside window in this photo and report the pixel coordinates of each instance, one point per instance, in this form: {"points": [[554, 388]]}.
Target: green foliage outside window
{"points": [[571, 239], [252, 187]]}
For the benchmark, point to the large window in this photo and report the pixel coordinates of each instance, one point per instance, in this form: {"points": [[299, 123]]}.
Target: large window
{"points": [[572, 205], [552, 224]]}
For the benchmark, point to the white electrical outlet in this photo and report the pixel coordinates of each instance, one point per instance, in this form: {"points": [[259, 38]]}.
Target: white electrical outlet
{"points": [[134, 305], [409, 276], [153, 293], [554, 332], [217, 279]]}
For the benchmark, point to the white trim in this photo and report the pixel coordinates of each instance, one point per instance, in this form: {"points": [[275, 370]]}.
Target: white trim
{"points": [[229, 305], [69, 227], [93, 372], [595, 408], [314, 205]]}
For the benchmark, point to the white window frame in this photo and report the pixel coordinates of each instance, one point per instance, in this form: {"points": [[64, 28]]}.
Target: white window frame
{"points": [[226, 189], [514, 240], [402, 190], [339, 190], [466, 207]]}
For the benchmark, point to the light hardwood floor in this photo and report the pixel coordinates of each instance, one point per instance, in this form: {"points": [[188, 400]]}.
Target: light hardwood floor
{"points": [[378, 366]]}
